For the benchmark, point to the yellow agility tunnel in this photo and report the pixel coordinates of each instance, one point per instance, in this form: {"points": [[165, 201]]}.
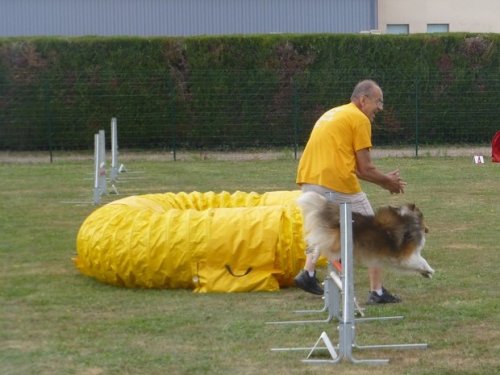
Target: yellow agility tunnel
{"points": [[208, 242]]}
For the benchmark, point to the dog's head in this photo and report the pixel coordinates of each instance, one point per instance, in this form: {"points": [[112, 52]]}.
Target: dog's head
{"points": [[406, 225]]}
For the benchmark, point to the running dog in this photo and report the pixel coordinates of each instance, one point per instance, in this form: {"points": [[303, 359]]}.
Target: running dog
{"points": [[394, 237]]}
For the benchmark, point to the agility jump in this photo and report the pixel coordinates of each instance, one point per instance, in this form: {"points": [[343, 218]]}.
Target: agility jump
{"points": [[344, 285]]}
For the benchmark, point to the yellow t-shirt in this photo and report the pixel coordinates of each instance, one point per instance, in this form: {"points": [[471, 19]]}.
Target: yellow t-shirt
{"points": [[329, 158]]}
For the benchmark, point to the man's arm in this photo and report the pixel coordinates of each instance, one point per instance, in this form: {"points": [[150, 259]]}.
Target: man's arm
{"points": [[367, 171]]}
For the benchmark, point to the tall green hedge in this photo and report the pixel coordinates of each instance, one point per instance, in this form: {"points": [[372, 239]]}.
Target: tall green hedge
{"points": [[243, 91]]}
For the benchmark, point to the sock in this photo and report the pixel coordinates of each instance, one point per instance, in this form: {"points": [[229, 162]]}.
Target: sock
{"points": [[379, 291], [311, 274]]}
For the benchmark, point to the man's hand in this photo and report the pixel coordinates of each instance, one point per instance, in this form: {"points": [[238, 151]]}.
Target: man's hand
{"points": [[395, 184]]}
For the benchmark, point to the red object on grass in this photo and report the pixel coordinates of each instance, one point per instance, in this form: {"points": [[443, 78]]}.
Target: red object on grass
{"points": [[495, 148]]}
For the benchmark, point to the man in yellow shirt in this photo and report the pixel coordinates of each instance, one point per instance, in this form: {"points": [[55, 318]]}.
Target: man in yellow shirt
{"points": [[336, 156]]}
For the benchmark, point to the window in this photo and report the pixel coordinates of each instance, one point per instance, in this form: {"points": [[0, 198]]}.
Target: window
{"points": [[438, 27], [398, 29]]}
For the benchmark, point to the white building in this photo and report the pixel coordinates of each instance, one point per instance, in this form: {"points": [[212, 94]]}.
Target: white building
{"points": [[427, 16]]}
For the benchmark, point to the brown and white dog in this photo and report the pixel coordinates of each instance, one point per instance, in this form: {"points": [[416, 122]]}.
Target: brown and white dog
{"points": [[394, 237]]}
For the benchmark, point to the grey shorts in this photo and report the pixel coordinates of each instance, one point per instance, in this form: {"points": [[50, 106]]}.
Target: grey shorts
{"points": [[359, 201]]}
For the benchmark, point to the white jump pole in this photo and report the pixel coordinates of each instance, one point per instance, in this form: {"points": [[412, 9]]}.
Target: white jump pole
{"points": [[346, 325], [114, 150], [97, 192], [116, 168], [102, 162]]}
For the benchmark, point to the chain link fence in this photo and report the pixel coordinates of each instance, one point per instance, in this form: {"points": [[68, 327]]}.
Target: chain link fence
{"points": [[237, 109]]}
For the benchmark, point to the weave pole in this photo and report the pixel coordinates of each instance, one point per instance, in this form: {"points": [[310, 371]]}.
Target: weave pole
{"points": [[99, 176], [116, 168], [102, 162]]}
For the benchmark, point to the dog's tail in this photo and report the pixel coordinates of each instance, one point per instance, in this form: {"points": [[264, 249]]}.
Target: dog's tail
{"points": [[311, 202], [321, 224]]}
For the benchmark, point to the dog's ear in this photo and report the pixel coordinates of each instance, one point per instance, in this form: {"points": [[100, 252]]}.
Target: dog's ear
{"points": [[387, 217], [403, 210], [408, 208], [412, 206]]}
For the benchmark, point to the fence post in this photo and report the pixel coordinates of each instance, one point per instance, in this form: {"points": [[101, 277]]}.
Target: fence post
{"points": [[173, 117], [295, 118], [416, 114], [48, 118]]}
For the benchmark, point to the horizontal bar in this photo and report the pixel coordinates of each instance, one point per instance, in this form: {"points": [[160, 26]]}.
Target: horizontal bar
{"points": [[297, 349], [392, 346], [397, 317], [329, 319]]}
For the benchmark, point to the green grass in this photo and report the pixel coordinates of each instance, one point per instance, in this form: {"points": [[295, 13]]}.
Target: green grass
{"points": [[56, 321]]}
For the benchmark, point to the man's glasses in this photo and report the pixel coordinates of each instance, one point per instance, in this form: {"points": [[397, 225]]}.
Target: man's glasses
{"points": [[378, 102]]}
